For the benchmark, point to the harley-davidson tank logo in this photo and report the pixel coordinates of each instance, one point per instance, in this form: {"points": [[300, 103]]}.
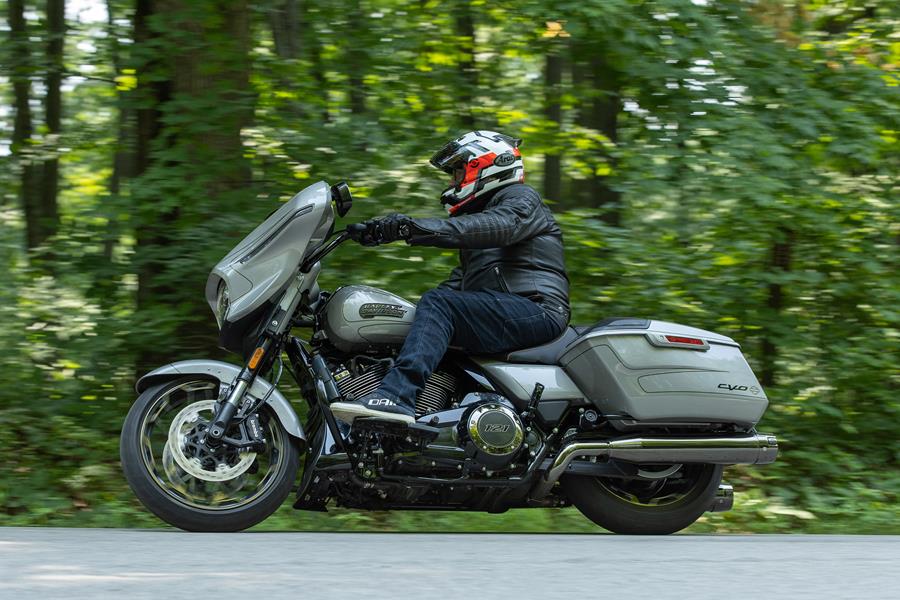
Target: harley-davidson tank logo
{"points": [[377, 309]]}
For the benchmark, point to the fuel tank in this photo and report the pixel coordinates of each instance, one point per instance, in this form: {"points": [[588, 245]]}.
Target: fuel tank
{"points": [[359, 317]]}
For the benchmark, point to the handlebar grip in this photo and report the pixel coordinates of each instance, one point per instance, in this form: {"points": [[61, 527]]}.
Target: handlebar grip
{"points": [[356, 231]]}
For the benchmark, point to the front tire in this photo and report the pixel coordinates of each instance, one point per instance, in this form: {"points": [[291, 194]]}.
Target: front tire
{"points": [[635, 508], [210, 503]]}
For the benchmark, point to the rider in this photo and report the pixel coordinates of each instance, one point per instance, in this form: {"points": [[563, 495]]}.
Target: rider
{"points": [[510, 289]]}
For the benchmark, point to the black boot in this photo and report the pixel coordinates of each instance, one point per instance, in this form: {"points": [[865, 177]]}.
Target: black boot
{"points": [[374, 405]]}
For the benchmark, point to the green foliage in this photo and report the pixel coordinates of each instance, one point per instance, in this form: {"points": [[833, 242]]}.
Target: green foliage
{"points": [[756, 154]]}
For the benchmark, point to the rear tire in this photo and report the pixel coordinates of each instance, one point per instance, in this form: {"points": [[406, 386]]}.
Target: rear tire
{"points": [[600, 501], [150, 490]]}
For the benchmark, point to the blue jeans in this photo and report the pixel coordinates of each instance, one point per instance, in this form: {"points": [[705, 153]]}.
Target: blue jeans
{"points": [[480, 322]]}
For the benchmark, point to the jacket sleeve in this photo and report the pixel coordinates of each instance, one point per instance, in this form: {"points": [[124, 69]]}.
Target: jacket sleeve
{"points": [[509, 220], [454, 282]]}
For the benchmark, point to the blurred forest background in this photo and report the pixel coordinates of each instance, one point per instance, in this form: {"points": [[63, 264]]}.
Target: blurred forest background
{"points": [[727, 164]]}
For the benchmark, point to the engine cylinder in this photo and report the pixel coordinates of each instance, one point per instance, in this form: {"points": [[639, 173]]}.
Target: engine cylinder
{"points": [[365, 375]]}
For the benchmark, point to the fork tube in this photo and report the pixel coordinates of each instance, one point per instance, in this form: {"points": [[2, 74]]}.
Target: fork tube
{"points": [[316, 367], [242, 383]]}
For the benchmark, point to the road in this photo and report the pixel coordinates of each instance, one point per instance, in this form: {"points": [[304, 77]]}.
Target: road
{"points": [[134, 564]]}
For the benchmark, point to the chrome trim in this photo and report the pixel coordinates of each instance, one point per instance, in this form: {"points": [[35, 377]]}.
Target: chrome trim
{"points": [[748, 449], [518, 434], [724, 499]]}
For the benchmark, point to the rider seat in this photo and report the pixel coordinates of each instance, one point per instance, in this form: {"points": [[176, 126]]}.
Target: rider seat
{"points": [[549, 353]]}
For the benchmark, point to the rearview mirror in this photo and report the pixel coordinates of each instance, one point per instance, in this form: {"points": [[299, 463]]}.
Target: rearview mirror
{"points": [[340, 193]]}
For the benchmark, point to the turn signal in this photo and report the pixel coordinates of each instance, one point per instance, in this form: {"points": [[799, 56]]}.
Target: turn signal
{"points": [[254, 360]]}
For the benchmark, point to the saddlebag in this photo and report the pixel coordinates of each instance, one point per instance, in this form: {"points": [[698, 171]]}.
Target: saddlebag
{"points": [[657, 371]]}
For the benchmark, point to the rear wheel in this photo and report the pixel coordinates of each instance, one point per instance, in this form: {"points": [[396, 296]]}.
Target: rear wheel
{"points": [[671, 501], [191, 485]]}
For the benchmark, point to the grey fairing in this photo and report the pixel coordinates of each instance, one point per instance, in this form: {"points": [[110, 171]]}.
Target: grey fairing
{"points": [[519, 380], [226, 373], [261, 264]]}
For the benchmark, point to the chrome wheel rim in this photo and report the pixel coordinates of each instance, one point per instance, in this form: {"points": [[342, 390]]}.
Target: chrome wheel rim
{"points": [[664, 490], [224, 479]]}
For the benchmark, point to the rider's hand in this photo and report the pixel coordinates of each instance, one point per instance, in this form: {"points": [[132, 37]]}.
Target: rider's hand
{"points": [[394, 227], [382, 230]]}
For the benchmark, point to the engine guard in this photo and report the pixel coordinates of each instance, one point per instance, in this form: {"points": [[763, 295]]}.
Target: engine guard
{"points": [[226, 373]]}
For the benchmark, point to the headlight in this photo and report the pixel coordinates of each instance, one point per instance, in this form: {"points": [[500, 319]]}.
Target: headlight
{"points": [[221, 304]]}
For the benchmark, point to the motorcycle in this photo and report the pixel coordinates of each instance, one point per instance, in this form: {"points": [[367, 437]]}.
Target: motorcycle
{"points": [[630, 420]]}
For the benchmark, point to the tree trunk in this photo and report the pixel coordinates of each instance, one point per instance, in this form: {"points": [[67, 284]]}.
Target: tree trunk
{"points": [[56, 32], [284, 20], [468, 74], [357, 57], [553, 69], [780, 262], [20, 68], [309, 47], [195, 99], [601, 82]]}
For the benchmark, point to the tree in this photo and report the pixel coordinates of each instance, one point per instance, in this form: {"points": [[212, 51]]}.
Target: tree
{"points": [[38, 224], [56, 31], [194, 99]]}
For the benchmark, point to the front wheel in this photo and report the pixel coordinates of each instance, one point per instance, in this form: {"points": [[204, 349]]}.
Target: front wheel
{"points": [[189, 485], [669, 500]]}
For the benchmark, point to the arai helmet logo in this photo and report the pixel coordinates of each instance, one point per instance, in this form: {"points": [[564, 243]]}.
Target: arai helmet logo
{"points": [[505, 159], [733, 388]]}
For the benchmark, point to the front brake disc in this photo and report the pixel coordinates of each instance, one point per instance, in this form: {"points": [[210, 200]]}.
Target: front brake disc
{"points": [[182, 426]]}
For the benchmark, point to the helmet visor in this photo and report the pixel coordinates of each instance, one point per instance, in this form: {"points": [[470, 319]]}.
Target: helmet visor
{"points": [[451, 156]]}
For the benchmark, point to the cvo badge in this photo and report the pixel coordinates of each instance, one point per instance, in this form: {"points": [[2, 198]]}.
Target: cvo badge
{"points": [[377, 309], [732, 388]]}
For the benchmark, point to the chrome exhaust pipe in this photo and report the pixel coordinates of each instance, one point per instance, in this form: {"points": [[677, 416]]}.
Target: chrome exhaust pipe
{"points": [[746, 449], [724, 499]]}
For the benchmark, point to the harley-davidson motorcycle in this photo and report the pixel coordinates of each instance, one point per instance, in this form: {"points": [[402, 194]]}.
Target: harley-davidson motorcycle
{"points": [[630, 420]]}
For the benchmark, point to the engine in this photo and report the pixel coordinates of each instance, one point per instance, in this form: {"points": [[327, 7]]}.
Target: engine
{"points": [[481, 429], [493, 431], [363, 374]]}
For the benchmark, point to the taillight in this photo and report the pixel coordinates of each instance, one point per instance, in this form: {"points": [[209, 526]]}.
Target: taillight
{"points": [[677, 339]]}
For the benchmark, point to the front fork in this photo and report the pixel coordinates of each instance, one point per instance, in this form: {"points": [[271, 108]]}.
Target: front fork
{"points": [[242, 383], [278, 325]]}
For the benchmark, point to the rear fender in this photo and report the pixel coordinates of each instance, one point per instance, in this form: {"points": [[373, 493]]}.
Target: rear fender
{"points": [[226, 373]]}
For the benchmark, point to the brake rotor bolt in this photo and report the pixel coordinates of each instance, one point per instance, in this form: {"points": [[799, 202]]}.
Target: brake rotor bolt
{"points": [[433, 464], [555, 430], [531, 453]]}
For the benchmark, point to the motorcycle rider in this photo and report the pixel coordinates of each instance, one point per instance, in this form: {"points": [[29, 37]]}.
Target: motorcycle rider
{"points": [[510, 289]]}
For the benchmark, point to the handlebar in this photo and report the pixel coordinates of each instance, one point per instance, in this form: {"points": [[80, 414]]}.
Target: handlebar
{"points": [[325, 248]]}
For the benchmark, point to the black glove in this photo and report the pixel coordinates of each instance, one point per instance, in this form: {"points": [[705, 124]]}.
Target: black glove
{"points": [[382, 230], [394, 227]]}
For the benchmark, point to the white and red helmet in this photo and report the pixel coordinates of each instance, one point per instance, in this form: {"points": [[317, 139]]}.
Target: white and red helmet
{"points": [[478, 162]]}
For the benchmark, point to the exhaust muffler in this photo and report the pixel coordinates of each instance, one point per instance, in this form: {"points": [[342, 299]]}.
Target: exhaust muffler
{"points": [[746, 449]]}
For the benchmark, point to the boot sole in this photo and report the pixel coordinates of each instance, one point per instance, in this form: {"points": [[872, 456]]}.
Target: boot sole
{"points": [[346, 411]]}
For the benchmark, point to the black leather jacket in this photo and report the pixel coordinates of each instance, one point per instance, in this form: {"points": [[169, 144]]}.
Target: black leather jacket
{"points": [[513, 245]]}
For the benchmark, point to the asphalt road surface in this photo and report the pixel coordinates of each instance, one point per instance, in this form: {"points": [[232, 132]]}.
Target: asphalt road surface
{"points": [[132, 564]]}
